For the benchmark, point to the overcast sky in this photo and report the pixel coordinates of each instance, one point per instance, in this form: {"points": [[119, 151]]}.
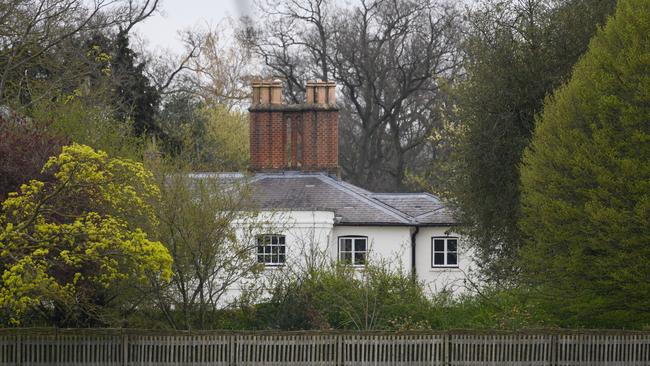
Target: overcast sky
{"points": [[161, 30]]}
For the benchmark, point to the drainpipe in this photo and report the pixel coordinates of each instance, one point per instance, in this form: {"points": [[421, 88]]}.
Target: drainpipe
{"points": [[413, 235]]}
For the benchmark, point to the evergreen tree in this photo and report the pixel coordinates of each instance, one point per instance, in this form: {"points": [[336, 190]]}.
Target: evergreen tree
{"points": [[586, 183], [137, 97], [516, 53]]}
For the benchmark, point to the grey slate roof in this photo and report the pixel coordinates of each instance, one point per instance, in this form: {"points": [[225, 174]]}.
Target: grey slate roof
{"points": [[351, 204]]}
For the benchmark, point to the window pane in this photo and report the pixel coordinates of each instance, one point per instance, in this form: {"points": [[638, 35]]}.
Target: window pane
{"points": [[346, 245], [281, 239], [452, 245], [260, 249], [260, 259], [267, 239], [282, 249], [260, 240], [439, 245], [359, 258], [267, 249], [274, 239], [274, 249], [439, 259], [452, 258], [360, 245], [275, 258], [346, 257], [282, 258]]}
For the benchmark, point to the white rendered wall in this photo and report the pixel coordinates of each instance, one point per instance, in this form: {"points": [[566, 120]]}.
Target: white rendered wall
{"points": [[307, 236], [311, 234], [436, 278], [391, 244]]}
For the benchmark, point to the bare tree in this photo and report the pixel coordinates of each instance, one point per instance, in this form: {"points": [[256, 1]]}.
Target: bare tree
{"points": [[210, 228], [391, 59], [222, 71], [32, 31], [169, 71]]}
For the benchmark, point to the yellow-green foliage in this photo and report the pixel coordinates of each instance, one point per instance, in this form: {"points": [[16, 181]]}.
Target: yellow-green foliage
{"points": [[66, 245], [586, 182], [227, 135], [89, 120]]}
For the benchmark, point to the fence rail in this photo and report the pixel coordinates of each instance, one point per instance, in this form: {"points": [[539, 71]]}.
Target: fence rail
{"points": [[457, 348]]}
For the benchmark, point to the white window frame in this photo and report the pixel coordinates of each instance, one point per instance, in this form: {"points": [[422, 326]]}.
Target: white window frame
{"points": [[280, 244], [445, 252], [353, 250]]}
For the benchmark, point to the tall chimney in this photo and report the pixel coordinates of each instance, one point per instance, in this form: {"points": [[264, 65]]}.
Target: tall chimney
{"points": [[296, 136]]}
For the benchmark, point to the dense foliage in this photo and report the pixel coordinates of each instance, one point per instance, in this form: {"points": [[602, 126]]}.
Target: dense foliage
{"points": [[205, 137], [71, 248], [25, 145], [516, 53], [380, 298], [339, 297], [586, 182]]}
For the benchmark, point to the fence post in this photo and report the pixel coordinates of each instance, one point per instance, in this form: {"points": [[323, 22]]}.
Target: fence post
{"points": [[339, 349], [446, 350], [233, 349], [125, 349], [554, 350], [17, 350]]}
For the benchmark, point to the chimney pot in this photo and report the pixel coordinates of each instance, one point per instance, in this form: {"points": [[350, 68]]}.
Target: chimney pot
{"points": [[321, 92], [266, 92]]}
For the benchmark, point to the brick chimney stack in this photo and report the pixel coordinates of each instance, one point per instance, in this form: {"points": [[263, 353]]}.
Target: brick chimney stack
{"points": [[294, 136]]}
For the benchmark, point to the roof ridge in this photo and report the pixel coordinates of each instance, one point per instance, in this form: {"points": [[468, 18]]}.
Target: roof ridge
{"points": [[344, 183], [415, 218], [397, 194], [430, 212], [408, 219], [407, 194]]}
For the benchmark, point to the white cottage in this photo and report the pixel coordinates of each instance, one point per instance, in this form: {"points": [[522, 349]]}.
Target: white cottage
{"points": [[348, 223], [294, 158]]}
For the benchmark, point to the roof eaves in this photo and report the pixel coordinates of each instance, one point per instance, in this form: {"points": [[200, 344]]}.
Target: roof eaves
{"points": [[374, 223]]}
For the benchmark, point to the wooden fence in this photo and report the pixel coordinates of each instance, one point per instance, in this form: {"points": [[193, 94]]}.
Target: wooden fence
{"points": [[467, 348]]}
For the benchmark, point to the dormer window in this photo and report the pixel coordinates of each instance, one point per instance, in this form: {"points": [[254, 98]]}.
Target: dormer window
{"points": [[271, 250], [444, 252], [353, 250]]}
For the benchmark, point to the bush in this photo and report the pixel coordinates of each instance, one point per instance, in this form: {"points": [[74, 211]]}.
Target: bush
{"points": [[342, 297]]}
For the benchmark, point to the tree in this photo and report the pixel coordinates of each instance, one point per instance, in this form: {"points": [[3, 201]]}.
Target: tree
{"points": [[210, 228], [586, 182], [72, 248], [515, 53], [39, 50], [391, 59], [137, 99], [221, 70], [88, 120], [227, 138], [207, 138], [25, 145]]}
